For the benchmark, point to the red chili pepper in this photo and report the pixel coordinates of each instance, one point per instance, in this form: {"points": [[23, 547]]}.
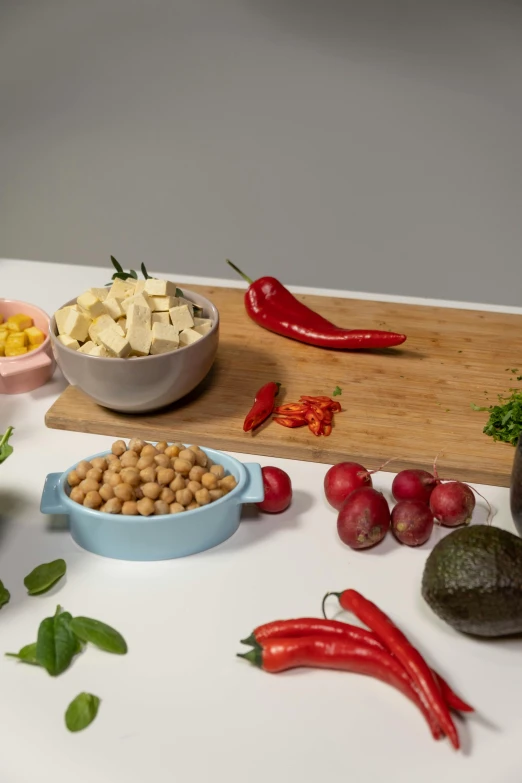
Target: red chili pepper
{"points": [[397, 643], [290, 421], [277, 655], [327, 429], [291, 407], [262, 407], [313, 626], [314, 424], [272, 306]]}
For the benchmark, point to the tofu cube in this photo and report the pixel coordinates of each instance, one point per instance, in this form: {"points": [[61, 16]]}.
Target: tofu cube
{"points": [[190, 305], [161, 318], [139, 316], [121, 289], [113, 307], [90, 304], [91, 349], [181, 318], [155, 287], [139, 288], [202, 329], [19, 322], [69, 342], [101, 323], [77, 325], [114, 343], [14, 350], [164, 338], [61, 315], [202, 321], [100, 293], [34, 335], [140, 339], [188, 337], [122, 323], [139, 299], [17, 338], [162, 304], [86, 347]]}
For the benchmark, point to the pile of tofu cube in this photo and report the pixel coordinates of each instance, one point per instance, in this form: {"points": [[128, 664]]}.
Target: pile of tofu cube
{"points": [[19, 335], [131, 318]]}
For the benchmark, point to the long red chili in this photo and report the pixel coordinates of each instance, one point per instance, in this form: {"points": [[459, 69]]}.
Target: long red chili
{"points": [[263, 406], [273, 307], [278, 655], [314, 626], [398, 644]]}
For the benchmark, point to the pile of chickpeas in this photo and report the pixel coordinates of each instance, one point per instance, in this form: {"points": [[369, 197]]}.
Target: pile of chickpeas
{"points": [[144, 479]]}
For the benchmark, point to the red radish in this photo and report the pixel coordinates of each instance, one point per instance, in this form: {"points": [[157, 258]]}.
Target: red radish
{"points": [[278, 490], [413, 485], [452, 503], [412, 522], [364, 518], [342, 479]]}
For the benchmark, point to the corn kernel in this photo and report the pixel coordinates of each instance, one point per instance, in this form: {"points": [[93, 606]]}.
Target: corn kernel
{"points": [[22, 321], [15, 350], [35, 336]]}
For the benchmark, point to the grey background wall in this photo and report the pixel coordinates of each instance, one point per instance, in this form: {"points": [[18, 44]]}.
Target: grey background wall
{"points": [[369, 145]]}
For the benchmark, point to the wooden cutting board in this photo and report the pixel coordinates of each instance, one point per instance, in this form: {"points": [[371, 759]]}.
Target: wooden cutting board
{"points": [[410, 402]]}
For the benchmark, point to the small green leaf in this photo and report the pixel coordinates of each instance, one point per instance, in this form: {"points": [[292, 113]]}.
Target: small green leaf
{"points": [[144, 272], [5, 449], [99, 634], [44, 576], [5, 595], [337, 391], [118, 267], [56, 645], [81, 711], [26, 655], [133, 274], [179, 292]]}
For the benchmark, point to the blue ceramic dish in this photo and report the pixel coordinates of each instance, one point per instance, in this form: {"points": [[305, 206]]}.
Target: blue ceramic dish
{"points": [[161, 537]]}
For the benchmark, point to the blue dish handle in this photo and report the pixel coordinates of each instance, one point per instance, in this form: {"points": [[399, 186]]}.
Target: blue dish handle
{"points": [[51, 502], [254, 491]]}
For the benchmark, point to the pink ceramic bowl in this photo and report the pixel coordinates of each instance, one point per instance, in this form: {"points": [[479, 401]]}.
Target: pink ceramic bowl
{"points": [[27, 372]]}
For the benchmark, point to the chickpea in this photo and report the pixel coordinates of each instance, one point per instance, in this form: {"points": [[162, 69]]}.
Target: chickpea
{"points": [[94, 474], [151, 490], [192, 506], [215, 494], [129, 508], [201, 459], [100, 463], [111, 459], [179, 445], [130, 476], [162, 461], [106, 476], [115, 479], [218, 470], [176, 508], [160, 507], [145, 462], [227, 484], [202, 496], [129, 459], [138, 492], [89, 485], [124, 492], [167, 495], [148, 474], [149, 451], [102, 508], [115, 466], [196, 473], [73, 479], [194, 486], [184, 496], [162, 445], [194, 448], [77, 495], [82, 468], [172, 451], [165, 475], [178, 483], [92, 499], [106, 492], [145, 507], [182, 466], [188, 455], [118, 448], [113, 506], [136, 444], [209, 481]]}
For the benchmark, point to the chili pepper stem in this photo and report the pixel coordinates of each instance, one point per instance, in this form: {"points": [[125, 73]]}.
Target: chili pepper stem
{"points": [[238, 270], [254, 656], [337, 595], [250, 641]]}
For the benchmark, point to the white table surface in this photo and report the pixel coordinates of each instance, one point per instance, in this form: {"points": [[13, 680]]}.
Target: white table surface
{"points": [[181, 706]]}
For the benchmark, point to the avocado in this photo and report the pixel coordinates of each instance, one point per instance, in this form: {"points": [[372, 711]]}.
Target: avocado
{"points": [[473, 581]]}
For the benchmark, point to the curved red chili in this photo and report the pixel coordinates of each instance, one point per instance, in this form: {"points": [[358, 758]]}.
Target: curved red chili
{"points": [[273, 307], [263, 406]]}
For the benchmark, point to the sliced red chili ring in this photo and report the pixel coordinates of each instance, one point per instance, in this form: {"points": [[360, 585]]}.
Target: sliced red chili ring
{"points": [[335, 406], [290, 421], [308, 398], [327, 428], [291, 407], [314, 423]]}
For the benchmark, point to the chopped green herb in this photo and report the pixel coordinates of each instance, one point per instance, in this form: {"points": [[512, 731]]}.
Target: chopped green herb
{"points": [[5, 595], [81, 711], [44, 576], [5, 449], [505, 419], [337, 391]]}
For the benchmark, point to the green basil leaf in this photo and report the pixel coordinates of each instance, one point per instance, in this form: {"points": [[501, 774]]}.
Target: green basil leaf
{"points": [[56, 645], [99, 634], [81, 711], [133, 274], [179, 292], [5, 449], [5, 595], [44, 576], [118, 267], [27, 654], [144, 272]]}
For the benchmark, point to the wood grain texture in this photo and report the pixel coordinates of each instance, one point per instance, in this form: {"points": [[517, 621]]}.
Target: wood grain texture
{"points": [[409, 402]]}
